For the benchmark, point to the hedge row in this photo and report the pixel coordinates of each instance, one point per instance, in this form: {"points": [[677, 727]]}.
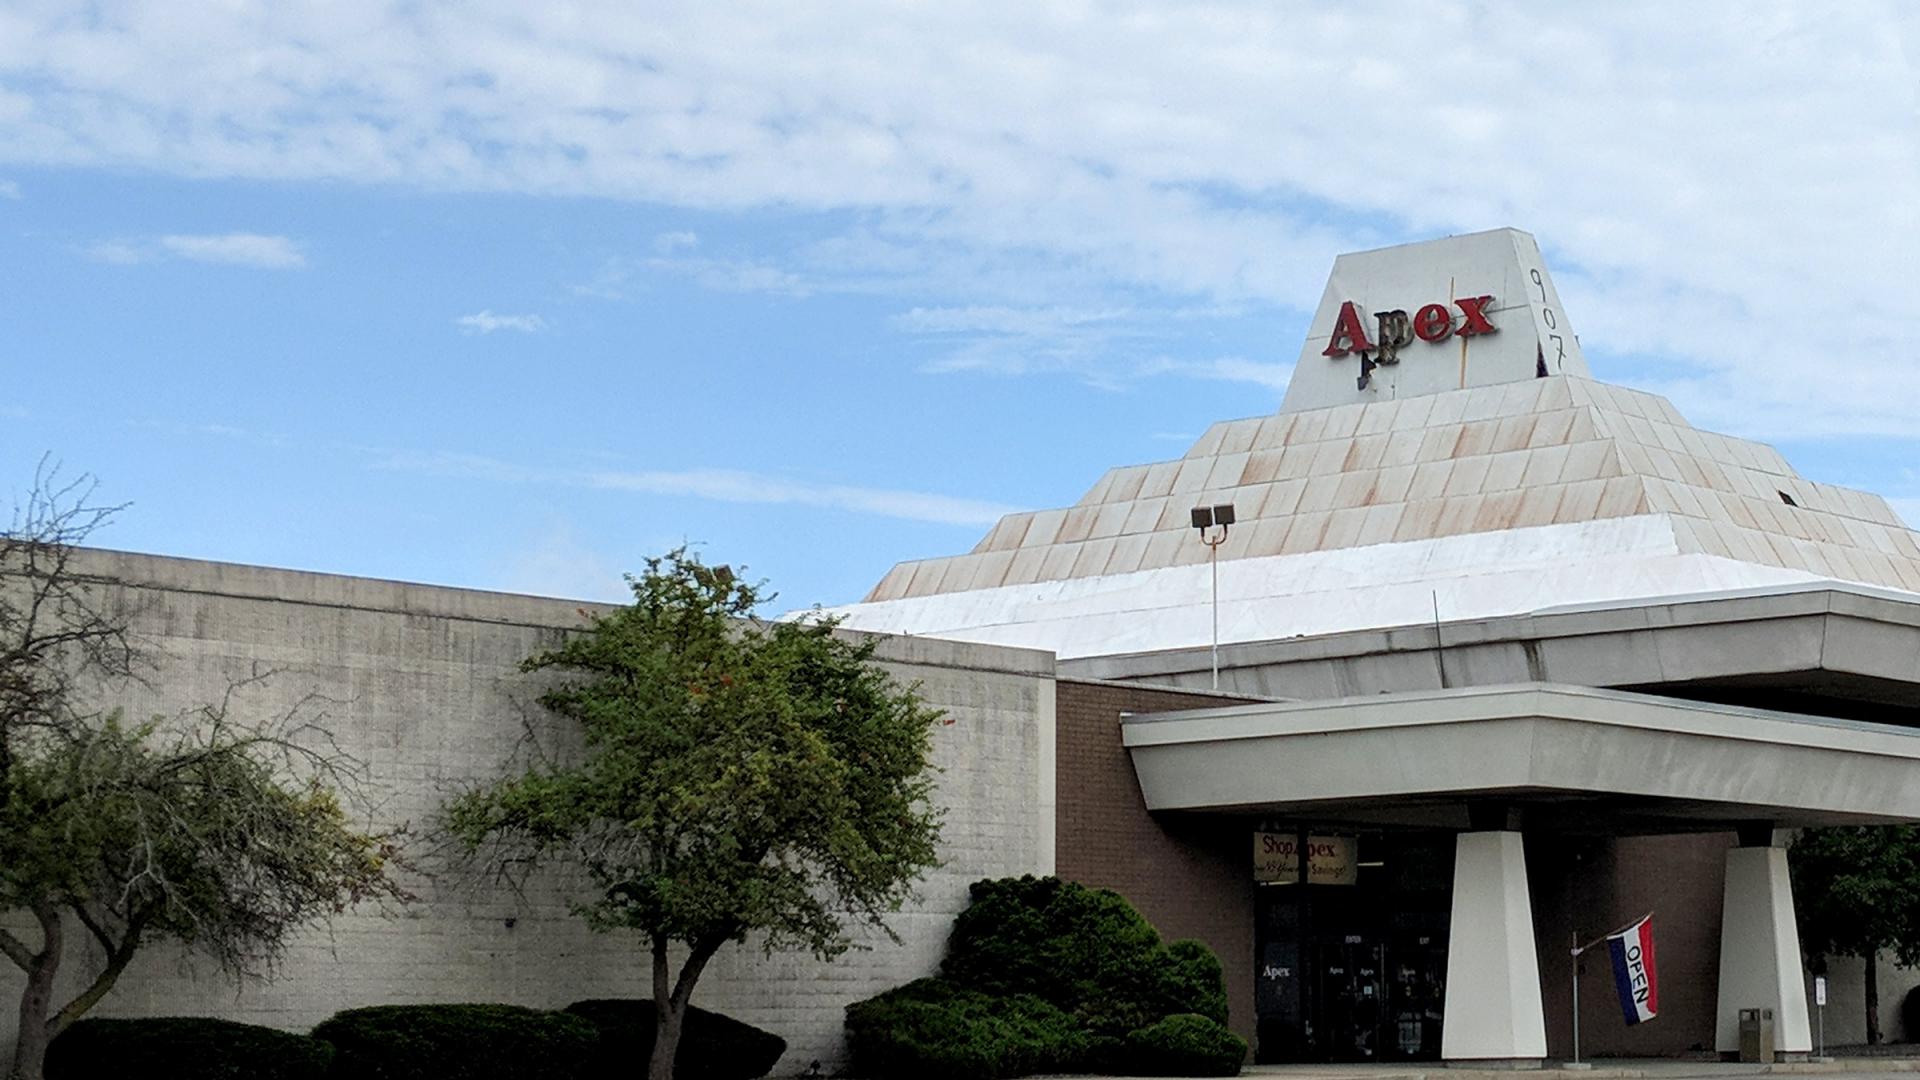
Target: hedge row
{"points": [[185, 1048], [935, 1029], [589, 1040]]}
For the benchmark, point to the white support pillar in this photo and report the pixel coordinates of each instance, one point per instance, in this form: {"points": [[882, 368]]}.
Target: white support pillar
{"points": [[1493, 1009], [1760, 951]]}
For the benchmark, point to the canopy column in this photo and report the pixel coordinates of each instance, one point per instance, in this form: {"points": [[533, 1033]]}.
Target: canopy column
{"points": [[1493, 1011], [1760, 946]]}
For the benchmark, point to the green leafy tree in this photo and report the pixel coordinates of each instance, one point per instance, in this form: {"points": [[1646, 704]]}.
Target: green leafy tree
{"points": [[195, 833], [1856, 892], [219, 836], [738, 777]]}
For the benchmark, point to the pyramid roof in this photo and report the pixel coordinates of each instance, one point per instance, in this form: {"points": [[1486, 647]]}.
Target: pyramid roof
{"points": [[1520, 494]]}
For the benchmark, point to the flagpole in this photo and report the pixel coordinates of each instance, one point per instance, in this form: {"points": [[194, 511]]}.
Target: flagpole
{"points": [[1576, 998], [1578, 951]]}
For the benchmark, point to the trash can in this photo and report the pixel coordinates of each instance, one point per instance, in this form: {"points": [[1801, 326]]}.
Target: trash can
{"points": [[1756, 1036]]}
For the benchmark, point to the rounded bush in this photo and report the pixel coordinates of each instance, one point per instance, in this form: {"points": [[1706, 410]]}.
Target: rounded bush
{"points": [[937, 1030], [1191, 982], [1087, 951], [184, 1048], [712, 1046], [458, 1042], [1185, 1044]]}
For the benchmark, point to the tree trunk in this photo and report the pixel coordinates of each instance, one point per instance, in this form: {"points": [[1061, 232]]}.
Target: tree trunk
{"points": [[666, 1039], [36, 1001], [1873, 996], [666, 1036], [670, 1009]]}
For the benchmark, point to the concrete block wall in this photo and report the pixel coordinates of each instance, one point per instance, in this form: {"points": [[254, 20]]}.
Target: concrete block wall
{"points": [[421, 683], [1846, 1012]]}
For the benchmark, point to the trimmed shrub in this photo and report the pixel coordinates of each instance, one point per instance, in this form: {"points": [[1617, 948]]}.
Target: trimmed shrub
{"points": [[1191, 982], [184, 1048], [458, 1042], [937, 1030], [1046, 975], [712, 1046], [1086, 951], [1185, 1044]]}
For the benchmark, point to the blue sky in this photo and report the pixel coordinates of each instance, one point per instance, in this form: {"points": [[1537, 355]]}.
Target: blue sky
{"points": [[493, 299]]}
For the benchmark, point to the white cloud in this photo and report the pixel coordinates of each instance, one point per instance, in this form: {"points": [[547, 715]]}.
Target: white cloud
{"points": [[118, 252], [1226, 369], [558, 563], [668, 242], [618, 278], [237, 249], [10, 190], [721, 485], [232, 432], [1730, 208], [1003, 319], [486, 322], [232, 249], [735, 275]]}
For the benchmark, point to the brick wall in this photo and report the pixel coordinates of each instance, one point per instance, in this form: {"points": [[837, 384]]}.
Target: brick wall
{"points": [[1191, 877], [1594, 886]]}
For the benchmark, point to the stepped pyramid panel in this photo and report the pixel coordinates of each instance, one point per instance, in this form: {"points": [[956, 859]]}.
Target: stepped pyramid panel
{"points": [[1554, 451], [1448, 475]]}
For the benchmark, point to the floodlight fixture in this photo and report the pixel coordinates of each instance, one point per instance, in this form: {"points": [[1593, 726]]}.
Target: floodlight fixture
{"points": [[1206, 517], [1205, 520]]}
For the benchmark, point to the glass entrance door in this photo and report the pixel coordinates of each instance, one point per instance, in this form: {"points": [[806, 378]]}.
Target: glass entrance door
{"points": [[1349, 994], [1356, 972]]}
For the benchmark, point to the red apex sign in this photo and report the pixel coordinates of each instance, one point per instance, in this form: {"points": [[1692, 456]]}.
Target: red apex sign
{"points": [[1433, 323]]}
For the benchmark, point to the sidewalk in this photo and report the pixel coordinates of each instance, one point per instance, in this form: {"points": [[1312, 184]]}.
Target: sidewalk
{"points": [[1604, 1069]]}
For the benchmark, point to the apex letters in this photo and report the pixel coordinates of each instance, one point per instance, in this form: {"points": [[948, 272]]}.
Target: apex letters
{"points": [[1433, 323]]}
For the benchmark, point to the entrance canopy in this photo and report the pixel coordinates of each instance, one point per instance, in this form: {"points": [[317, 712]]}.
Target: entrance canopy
{"points": [[1565, 758]]}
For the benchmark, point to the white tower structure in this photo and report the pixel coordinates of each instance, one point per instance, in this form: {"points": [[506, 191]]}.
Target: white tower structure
{"points": [[1441, 444]]}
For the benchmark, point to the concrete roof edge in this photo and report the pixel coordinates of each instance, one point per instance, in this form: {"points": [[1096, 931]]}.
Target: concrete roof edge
{"points": [[1536, 701], [1691, 609], [139, 570], [173, 573]]}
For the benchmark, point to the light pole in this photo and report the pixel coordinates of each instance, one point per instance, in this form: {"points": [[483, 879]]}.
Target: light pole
{"points": [[1206, 519]]}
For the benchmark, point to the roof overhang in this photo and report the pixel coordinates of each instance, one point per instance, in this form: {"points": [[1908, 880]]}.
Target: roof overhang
{"points": [[1567, 758], [1825, 650]]}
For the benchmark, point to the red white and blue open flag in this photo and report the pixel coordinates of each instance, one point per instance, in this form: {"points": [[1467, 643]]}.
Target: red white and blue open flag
{"points": [[1633, 975]]}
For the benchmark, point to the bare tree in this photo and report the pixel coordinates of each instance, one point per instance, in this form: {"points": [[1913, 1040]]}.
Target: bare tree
{"points": [[222, 835], [58, 627]]}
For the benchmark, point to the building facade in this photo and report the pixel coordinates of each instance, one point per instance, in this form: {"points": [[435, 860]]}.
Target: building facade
{"points": [[1505, 658], [1530, 655]]}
